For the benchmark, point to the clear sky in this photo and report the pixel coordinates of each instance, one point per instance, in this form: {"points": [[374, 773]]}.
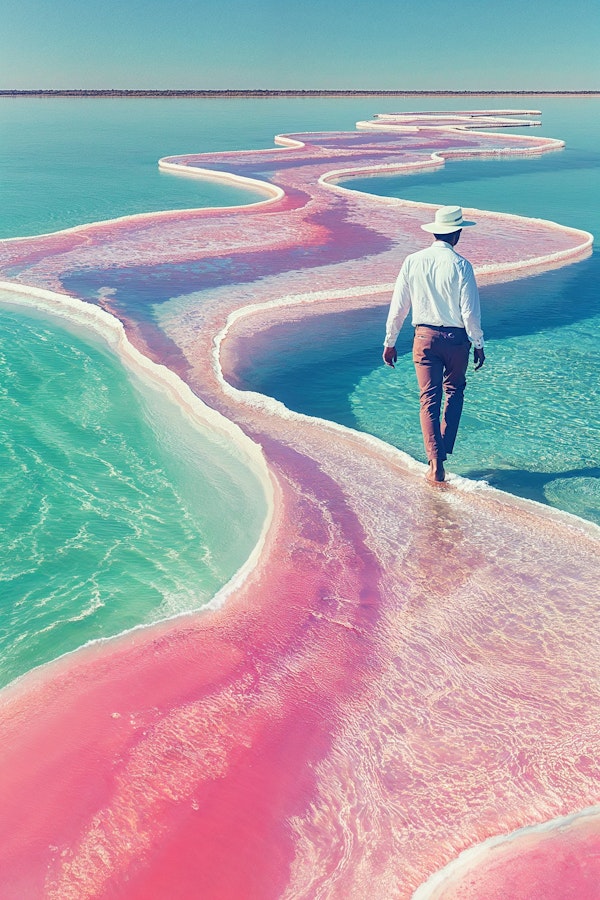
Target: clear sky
{"points": [[307, 44]]}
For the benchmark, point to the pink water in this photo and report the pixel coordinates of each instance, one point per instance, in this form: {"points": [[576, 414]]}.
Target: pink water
{"points": [[406, 673]]}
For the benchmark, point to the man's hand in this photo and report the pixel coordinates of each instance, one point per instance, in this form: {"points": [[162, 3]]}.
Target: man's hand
{"points": [[390, 355], [478, 358]]}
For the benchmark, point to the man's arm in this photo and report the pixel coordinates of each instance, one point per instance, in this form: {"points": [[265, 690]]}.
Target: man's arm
{"points": [[470, 309], [399, 307]]}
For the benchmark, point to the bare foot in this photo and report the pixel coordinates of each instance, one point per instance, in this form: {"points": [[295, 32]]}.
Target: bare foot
{"points": [[435, 473]]}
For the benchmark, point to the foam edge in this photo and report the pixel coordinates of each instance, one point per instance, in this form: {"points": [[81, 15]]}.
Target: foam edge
{"points": [[470, 857]]}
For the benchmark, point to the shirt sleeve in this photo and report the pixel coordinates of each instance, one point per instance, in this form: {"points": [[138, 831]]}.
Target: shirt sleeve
{"points": [[470, 307], [399, 308]]}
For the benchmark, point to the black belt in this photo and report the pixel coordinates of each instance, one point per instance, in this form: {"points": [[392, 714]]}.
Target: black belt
{"points": [[444, 328]]}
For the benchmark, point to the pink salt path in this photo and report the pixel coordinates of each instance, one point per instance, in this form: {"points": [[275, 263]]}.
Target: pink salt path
{"points": [[405, 673]]}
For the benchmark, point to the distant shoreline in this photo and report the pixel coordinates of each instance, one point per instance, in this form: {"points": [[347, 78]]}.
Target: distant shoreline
{"points": [[277, 93]]}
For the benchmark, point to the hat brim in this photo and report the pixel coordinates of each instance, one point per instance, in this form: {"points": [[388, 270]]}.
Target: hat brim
{"points": [[438, 228]]}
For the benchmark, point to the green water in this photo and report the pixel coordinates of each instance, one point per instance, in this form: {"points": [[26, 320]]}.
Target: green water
{"points": [[66, 161], [117, 510]]}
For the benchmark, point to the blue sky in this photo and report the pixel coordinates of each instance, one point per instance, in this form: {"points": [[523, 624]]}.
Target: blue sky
{"points": [[322, 44]]}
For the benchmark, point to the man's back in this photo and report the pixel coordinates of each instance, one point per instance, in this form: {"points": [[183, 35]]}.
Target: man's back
{"points": [[440, 285], [436, 276]]}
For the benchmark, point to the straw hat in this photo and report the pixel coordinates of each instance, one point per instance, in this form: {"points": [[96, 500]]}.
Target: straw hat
{"points": [[447, 220]]}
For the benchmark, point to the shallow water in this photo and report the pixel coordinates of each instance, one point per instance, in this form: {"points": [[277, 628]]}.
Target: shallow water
{"points": [[117, 510], [69, 161], [559, 186]]}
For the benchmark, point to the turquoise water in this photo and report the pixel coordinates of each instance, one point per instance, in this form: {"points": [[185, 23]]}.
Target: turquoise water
{"points": [[67, 161], [532, 414], [562, 186], [116, 511]]}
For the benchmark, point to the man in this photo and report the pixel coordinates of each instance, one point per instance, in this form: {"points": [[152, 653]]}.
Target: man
{"points": [[440, 286]]}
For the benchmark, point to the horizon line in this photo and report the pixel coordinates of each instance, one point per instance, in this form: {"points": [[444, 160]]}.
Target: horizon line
{"points": [[261, 92]]}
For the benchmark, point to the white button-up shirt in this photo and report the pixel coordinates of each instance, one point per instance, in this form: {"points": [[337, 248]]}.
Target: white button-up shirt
{"points": [[441, 287]]}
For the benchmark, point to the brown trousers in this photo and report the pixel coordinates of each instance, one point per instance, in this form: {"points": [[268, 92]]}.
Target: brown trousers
{"points": [[441, 356]]}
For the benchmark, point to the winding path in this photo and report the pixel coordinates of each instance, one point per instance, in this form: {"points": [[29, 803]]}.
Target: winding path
{"points": [[404, 673]]}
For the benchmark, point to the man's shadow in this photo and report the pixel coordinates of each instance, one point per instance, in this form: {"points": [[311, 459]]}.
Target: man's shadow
{"points": [[525, 482]]}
